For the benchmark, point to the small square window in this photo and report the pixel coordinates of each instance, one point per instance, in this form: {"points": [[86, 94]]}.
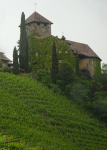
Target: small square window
{"points": [[45, 24]]}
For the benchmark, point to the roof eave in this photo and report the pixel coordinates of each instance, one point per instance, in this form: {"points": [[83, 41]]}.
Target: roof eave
{"points": [[88, 56], [37, 22]]}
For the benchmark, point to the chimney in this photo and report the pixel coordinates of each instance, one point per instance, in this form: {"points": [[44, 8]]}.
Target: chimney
{"points": [[63, 38]]}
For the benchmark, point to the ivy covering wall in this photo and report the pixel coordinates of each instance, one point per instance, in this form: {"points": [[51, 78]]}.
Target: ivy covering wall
{"points": [[97, 66], [40, 52]]}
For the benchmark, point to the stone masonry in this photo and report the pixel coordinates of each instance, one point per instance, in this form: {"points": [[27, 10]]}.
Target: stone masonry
{"points": [[40, 28]]}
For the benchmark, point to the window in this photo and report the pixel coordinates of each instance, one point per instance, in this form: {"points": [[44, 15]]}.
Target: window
{"points": [[60, 61], [45, 24]]}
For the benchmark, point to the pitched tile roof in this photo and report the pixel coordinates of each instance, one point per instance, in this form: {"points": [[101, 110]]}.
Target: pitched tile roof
{"points": [[83, 49], [5, 58], [36, 17]]}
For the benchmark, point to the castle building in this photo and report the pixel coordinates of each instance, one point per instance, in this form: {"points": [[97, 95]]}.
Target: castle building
{"points": [[42, 27]]}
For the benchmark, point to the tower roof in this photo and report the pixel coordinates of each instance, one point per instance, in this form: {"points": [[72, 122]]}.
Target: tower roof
{"points": [[36, 17]]}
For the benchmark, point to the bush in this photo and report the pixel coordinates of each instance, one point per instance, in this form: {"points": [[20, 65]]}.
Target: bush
{"points": [[46, 80], [54, 87], [68, 90], [99, 103], [103, 117], [1, 69], [43, 76], [66, 75], [102, 79], [7, 69], [78, 93]]}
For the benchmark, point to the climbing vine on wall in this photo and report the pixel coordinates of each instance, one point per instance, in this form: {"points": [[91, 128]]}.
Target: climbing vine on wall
{"points": [[40, 52], [97, 66]]}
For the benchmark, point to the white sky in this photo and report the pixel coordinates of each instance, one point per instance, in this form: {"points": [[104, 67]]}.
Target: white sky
{"points": [[83, 21]]}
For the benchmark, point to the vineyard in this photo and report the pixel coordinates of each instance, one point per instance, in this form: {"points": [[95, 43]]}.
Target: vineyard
{"points": [[44, 120]]}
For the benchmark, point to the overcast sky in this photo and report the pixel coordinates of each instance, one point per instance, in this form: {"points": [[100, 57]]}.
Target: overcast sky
{"points": [[83, 21]]}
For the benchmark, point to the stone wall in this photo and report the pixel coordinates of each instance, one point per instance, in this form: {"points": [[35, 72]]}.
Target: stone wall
{"points": [[83, 63], [42, 29], [87, 63], [90, 66]]}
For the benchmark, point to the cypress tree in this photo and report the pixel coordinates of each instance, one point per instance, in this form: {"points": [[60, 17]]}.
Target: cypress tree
{"points": [[54, 71], [0, 64], [26, 59], [23, 43], [77, 64], [15, 62]]}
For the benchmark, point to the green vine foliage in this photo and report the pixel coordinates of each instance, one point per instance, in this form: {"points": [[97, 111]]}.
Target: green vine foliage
{"points": [[97, 66], [40, 52]]}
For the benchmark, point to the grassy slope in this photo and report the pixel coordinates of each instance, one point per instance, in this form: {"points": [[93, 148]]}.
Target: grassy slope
{"points": [[45, 119]]}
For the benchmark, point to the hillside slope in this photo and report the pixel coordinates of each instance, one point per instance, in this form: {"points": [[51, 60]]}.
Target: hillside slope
{"points": [[50, 121]]}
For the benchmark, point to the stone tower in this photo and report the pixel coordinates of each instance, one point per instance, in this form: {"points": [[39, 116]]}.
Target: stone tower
{"points": [[38, 24]]}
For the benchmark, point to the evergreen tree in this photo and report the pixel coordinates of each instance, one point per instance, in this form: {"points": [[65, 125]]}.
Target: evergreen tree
{"points": [[15, 62], [26, 60], [23, 46], [18, 45], [77, 64], [54, 71], [0, 64]]}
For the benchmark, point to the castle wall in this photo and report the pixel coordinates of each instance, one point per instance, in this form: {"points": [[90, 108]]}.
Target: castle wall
{"points": [[87, 63], [90, 66], [83, 63], [40, 29]]}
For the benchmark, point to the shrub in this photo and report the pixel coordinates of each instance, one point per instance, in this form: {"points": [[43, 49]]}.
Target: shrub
{"points": [[43, 76], [99, 103], [66, 75], [46, 80], [7, 69], [78, 93], [68, 90], [103, 117], [1, 69], [102, 79], [54, 87]]}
